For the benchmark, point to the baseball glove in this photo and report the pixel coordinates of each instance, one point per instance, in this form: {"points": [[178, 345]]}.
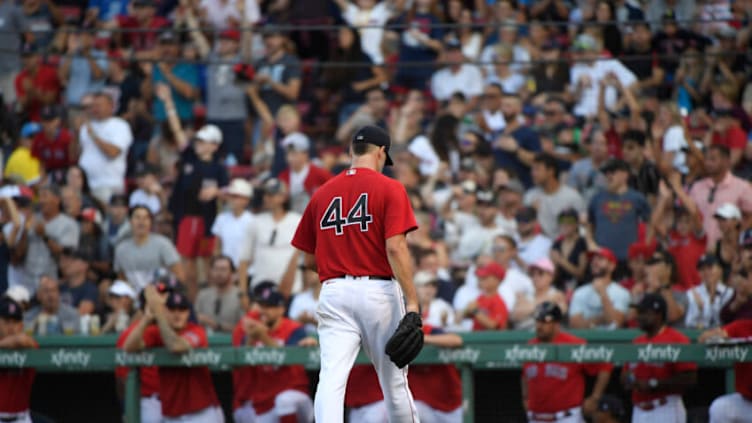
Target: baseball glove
{"points": [[407, 341]]}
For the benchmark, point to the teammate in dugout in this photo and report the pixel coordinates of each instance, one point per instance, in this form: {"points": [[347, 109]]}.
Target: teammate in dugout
{"points": [[353, 230], [555, 392], [268, 393], [187, 393], [657, 387], [15, 384], [736, 407]]}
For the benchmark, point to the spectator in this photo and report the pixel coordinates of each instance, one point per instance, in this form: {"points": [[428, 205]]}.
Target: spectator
{"points": [[15, 210], [456, 76], [231, 225], [638, 58], [507, 32], [468, 35], [84, 70], [518, 144], [478, 238], [569, 252], [124, 80], [552, 75], [75, 180], [51, 316], [726, 131], [740, 305], [605, 29], [726, 249], [531, 244], [491, 118], [76, 290], [368, 17], [15, 404], [436, 311], [670, 40], [601, 303], [550, 197], [22, 166], [423, 240], [121, 298], [13, 23], [585, 175], [542, 275], [429, 261], [420, 43], [221, 15], [218, 305], [179, 76], [488, 311], [144, 26], [149, 192], [138, 258], [301, 176], [71, 202], [104, 141], [303, 304], [706, 300], [660, 279], [720, 186], [116, 225], [53, 145], [278, 73], [669, 128], [505, 74], [105, 10], [37, 85], [643, 173]]}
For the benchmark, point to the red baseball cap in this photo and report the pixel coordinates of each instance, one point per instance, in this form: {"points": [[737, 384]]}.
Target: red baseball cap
{"points": [[605, 253], [491, 269], [230, 34], [641, 249]]}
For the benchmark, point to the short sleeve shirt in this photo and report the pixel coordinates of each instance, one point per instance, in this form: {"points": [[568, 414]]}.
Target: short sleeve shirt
{"points": [[587, 302], [139, 262]]}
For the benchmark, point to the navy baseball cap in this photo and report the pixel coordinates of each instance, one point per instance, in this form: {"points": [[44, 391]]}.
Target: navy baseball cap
{"points": [[271, 298], [526, 215], [654, 302], [707, 260], [371, 134], [177, 301], [10, 309], [258, 290], [548, 311]]}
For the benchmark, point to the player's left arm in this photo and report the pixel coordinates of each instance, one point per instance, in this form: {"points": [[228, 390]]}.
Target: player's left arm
{"points": [[601, 383], [402, 267], [19, 340]]}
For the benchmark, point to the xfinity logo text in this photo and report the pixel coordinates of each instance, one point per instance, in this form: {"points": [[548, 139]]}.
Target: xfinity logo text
{"points": [[652, 352], [274, 356], [71, 358], [12, 359], [463, 355], [717, 353], [518, 353], [134, 359], [200, 358], [585, 353]]}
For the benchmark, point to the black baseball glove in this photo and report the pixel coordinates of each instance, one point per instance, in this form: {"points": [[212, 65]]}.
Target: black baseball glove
{"points": [[407, 341]]}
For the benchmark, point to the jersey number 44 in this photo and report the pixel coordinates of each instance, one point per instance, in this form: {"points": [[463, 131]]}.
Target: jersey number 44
{"points": [[358, 215]]}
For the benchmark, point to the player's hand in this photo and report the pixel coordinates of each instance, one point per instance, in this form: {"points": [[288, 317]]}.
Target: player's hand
{"points": [[308, 342], [590, 405]]}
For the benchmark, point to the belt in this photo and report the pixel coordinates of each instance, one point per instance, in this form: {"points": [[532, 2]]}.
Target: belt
{"points": [[369, 277], [552, 417], [13, 418], [652, 405]]}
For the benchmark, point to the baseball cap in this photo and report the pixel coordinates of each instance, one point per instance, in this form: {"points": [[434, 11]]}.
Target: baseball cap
{"points": [[30, 129], [728, 211], [10, 309], [660, 256], [569, 215], [605, 253], [210, 133], [258, 290], [50, 112], [707, 260], [654, 302], [230, 34], [274, 186], [485, 197], [119, 200], [297, 141], [423, 278], [548, 311], [371, 134], [614, 165], [122, 289], [240, 187], [611, 405], [526, 215], [491, 269], [18, 294], [90, 214], [469, 186], [176, 300], [545, 264], [640, 249], [271, 297]]}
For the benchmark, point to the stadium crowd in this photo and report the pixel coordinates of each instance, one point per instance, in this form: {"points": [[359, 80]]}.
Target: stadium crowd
{"points": [[586, 155]]}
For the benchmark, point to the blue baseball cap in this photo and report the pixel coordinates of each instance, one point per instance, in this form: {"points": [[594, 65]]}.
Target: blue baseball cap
{"points": [[30, 129]]}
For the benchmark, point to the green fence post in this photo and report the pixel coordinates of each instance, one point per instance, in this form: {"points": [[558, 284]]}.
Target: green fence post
{"points": [[133, 397], [468, 388], [730, 380]]}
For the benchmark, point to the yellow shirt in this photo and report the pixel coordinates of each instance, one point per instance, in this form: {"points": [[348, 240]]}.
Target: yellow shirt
{"points": [[23, 166]]}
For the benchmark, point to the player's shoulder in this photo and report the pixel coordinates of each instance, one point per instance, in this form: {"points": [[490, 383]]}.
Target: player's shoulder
{"points": [[739, 328], [673, 335]]}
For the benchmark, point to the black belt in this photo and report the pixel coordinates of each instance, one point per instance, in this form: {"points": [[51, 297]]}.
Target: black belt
{"points": [[9, 419], [374, 277]]}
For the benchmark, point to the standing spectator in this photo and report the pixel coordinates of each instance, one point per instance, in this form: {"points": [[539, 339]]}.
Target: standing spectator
{"points": [[104, 141], [16, 383], [187, 393], [531, 244], [182, 78], [138, 258], [457, 76], [657, 387], [569, 252], [37, 85], [617, 212], [144, 25], [84, 69], [22, 166], [278, 73], [301, 176], [194, 200], [601, 303], [231, 225], [124, 81], [12, 23], [551, 76], [585, 175], [720, 186], [51, 316], [550, 197], [707, 299], [76, 289], [515, 149], [420, 43], [740, 305], [727, 131], [436, 311], [726, 249], [368, 17], [488, 311], [218, 305], [643, 173], [116, 225], [53, 145]]}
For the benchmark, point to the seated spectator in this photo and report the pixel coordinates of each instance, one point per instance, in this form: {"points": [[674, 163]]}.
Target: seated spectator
{"points": [[121, 300], [37, 85], [303, 304], [76, 290], [479, 237], [218, 305], [302, 176], [516, 147], [53, 145], [706, 301], [436, 311], [84, 69], [602, 303], [149, 192], [51, 316], [424, 239], [507, 33], [726, 249], [22, 166], [569, 252], [740, 305], [531, 244], [457, 76], [542, 274], [230, 226], [490, 118], [643, 173], [488, 311], [420, 42], [660, 280]]}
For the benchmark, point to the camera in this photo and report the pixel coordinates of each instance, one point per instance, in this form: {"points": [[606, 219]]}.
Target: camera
{"points": [[244, 73]]}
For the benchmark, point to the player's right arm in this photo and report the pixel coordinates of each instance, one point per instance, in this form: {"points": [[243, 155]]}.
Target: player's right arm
{"points": [[402, 267], [135, 340]]}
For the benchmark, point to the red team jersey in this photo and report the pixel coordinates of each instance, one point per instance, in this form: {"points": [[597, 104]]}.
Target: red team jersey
{"points": [[494, 307], [363, 386], [742, 371], [556, 387], [183, 390], [15, 388], [261, 384], [660, 371], [438, 385], [347, 221], [149, 376]]}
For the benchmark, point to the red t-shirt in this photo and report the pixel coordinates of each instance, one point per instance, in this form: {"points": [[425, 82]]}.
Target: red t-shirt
{"points": [[613, 141], [316, 177], [348, 220], [183, 390], [494, 307], [686, 250], [734, 138], [363, 386], [142, 40], [149, 376], [15, 388], [269, 380], [54, 153], [45, 80], [553, 387], [438, 385], [742, 371], [645, 371]]}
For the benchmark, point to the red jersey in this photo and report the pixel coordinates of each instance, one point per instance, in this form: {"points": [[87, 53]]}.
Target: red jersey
{"points": [[734, 138], [183, 390], [45, 80], [660, 371], [686, 250], [54, 153], [363, 386], [742, 371], [142, 40], [15, 388], [261, 384], [553, 387], [316, 177], [355, 212], [438, 385], [494, 307], [149, 376]]}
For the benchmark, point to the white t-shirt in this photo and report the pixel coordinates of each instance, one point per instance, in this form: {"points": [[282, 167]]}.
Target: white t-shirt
{"points": [[370, 38], [267, 244], [511, 84], [587, 104], [231, 231], [587, 302], [297, 180], [471, 48], [515, 282], [304, 303], [421, 148], [102, 171], [440, 314], [674, 141], [140, 197], [534, 249], [468, 80], [220, 12], [520, 57]]}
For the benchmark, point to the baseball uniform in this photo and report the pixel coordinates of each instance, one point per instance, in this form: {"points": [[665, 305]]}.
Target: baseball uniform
{"points": [[15, 393], [736, 407], [187, 393], [151, 407], [663, 406], [363, 396], [555, 391], [345, 226], [268, 392]]}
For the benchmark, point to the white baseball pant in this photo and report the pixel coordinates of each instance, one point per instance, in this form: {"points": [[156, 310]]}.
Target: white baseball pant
{"points": [[211, 414], [245, 413], [429, 414], [731, 408], [21, 417], [574, 415], [370, 413], [151, 409], [286, 403], [354, 312], [672, 411]]}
